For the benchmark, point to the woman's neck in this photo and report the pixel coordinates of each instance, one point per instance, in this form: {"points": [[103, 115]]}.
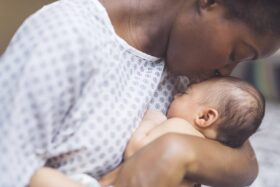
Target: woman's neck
{"points": [[144, 24]]}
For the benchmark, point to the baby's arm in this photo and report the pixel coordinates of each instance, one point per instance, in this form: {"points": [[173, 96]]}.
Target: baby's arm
{"points": [[151, 120]]}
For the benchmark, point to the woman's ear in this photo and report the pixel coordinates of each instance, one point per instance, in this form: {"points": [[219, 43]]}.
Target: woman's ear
{"points": [[206, 117], [206, 4]]}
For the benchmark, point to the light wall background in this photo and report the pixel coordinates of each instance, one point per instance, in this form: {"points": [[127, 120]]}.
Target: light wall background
{"points": [[12, 14]]}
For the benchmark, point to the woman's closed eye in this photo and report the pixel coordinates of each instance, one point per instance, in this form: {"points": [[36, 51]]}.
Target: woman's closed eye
{"points": [[243, 52], [233, 58]]}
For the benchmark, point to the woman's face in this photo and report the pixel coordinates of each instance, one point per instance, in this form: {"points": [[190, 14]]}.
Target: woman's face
{"points": [[209, 41]]}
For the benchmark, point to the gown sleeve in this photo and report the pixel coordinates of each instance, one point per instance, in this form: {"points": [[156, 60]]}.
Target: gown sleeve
{"points": [[42, 75]]}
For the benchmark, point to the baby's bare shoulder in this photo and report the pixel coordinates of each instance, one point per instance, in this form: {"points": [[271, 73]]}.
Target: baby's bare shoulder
{"points": [[155, 116], [179, 121], [180, 125]]}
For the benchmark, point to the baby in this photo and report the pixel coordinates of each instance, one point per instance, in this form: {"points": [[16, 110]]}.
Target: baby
{"points": [[225, 109]]}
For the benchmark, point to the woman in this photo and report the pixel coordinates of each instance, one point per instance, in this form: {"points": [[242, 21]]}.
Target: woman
{"points": [[78, 76]]}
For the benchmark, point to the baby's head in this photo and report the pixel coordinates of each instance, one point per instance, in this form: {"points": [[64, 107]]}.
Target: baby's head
{"points": [[226, 109]]}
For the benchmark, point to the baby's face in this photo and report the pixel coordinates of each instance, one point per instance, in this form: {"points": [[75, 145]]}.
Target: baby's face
{"points": [[186, 104]]}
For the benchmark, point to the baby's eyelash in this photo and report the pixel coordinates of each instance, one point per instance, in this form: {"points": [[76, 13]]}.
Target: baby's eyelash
{"points": [[183, 92]]}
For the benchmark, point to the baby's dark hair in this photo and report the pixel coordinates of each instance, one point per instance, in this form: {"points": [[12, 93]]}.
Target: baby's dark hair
{"points": [[241, 108], [262, 16]]}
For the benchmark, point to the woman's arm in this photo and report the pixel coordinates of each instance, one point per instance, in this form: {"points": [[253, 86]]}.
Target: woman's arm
{"points": [[173, 157], [217, 165]]}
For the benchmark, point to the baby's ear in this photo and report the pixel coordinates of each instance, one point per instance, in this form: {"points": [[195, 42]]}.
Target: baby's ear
{"points": [[206, 117]]}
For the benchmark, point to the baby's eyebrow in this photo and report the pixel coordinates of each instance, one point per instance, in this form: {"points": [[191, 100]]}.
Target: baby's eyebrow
{"points": [[185, 91]]}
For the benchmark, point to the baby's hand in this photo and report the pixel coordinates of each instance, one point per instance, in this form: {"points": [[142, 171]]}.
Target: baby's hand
{"points": [[109, 178]]}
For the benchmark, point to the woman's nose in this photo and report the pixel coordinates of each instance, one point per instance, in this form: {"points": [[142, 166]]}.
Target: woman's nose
{"points": [[226, 70]]}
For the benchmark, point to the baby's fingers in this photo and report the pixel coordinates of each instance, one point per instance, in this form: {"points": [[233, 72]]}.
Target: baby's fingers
{"points": [[109, 178]]}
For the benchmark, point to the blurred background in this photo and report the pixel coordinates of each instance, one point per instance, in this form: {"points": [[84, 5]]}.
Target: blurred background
{"points": [[12, 14], [264, 74]]}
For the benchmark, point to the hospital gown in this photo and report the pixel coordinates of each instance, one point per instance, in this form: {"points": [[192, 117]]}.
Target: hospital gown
{"points": [[72, 92]]}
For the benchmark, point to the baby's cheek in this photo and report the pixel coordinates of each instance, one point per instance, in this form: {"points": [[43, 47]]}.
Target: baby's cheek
{"points": [[172, 110], [175, 110]]}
